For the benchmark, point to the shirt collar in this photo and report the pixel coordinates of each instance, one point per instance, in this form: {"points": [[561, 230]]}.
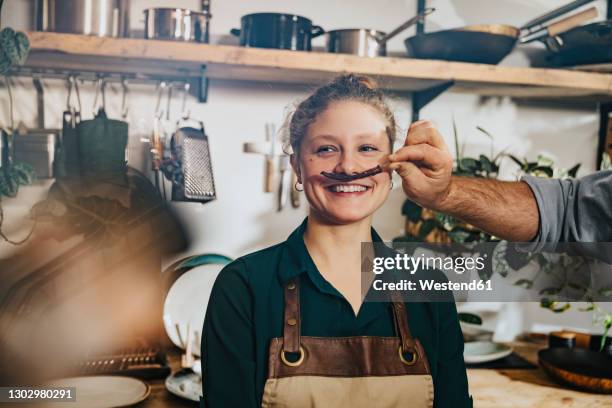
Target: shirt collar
{"points": [[295, 258]]}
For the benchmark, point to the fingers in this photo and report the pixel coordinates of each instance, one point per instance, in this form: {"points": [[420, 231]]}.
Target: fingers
{"points": [[406, 170], [423, 131], [425, 154]]}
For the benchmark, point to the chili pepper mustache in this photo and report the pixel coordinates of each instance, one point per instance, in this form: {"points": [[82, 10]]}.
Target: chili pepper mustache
{"points": [[350, 177]]}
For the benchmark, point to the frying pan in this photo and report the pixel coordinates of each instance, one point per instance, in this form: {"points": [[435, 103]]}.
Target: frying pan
{"points": [[580, 368], [588, 44], [488, 43]]}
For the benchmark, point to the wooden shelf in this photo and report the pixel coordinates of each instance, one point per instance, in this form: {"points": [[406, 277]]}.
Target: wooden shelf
{"points": [[139, 56]]}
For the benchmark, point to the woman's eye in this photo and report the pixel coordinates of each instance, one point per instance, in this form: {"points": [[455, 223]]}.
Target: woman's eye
{"points": [[368, 148], [325, 149]]}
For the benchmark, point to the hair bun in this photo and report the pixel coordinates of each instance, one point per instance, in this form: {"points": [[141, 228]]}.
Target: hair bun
{"points": [[365, 81]]}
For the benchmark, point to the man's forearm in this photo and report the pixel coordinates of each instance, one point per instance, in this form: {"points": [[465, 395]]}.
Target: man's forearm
{"points": [[505, 209]]}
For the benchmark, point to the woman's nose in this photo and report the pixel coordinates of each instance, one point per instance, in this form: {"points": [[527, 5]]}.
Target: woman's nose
{"points": [[348, 164]]}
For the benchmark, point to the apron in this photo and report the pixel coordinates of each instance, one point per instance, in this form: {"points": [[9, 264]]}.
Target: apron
{"points": [[339, 372]]}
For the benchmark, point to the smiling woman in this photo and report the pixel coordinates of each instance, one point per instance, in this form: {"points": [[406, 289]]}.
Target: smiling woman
{"points": [[287, 325]]}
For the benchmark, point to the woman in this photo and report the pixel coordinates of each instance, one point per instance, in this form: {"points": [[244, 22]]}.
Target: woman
{"points": [[286, 325]]}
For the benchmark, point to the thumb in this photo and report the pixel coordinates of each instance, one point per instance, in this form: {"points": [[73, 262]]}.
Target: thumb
{"points": [[406, 170]]}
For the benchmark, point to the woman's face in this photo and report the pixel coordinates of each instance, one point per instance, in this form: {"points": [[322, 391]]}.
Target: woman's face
{"points": [[347, 137]]}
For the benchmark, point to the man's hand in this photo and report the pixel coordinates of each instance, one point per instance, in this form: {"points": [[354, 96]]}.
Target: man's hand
{"points": [[425, 165]]}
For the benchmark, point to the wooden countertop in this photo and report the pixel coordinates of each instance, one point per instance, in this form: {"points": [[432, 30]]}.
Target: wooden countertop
{"points": [[490, 388], [521, 388]]}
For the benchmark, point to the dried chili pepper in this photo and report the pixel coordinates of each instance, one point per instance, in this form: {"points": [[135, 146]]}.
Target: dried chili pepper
{"points": [[350, 177]]}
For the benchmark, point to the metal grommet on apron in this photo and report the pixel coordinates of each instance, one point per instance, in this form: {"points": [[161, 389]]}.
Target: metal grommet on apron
{"points": [[338, 372]]}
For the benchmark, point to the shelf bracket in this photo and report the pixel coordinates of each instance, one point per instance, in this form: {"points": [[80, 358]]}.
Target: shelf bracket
{"points": [[420, 25], [203, 86], [422, 98], [605, 132]]}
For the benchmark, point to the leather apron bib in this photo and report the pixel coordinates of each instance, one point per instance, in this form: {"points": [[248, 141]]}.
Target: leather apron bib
{"points": [[359, 371]]}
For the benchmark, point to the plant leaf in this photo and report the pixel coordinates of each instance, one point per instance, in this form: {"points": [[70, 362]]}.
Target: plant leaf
{"points": [[516, 160], [526, 283], [573, 171], [550, 291], [485, 132], [485, 163], [426, 227], [412, 211], [470, 318]]}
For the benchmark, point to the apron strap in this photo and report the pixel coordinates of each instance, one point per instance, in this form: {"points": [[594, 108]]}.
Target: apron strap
{"points": [[401, 324], [291, 327]]}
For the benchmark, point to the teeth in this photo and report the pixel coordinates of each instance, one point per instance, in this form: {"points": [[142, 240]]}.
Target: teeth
{"points": [[347, 188]]}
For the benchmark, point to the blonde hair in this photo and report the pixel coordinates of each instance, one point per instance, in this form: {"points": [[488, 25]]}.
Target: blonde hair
{"points": [[348, 87]]}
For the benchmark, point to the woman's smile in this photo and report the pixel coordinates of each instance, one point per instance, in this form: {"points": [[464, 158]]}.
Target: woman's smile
{"points": [[345, 190]]}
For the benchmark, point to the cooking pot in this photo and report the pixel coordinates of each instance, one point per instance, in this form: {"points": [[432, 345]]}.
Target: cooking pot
{"points": [[366, 42], [277, 30], [488, 43], [175, 24], [103, 18], [584, 45]]}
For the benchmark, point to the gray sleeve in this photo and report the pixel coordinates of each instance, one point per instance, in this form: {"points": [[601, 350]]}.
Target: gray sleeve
{"points": [[574, 210]]}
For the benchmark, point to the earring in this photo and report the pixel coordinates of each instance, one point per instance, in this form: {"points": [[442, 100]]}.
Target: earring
{"points": [[391, 188], [296, 186]]}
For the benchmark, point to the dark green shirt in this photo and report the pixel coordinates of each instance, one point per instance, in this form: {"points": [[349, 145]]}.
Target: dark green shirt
{"points": [[246, 310]]}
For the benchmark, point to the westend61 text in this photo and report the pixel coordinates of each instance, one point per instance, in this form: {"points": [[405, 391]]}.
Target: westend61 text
{"points": [[431, 285]]}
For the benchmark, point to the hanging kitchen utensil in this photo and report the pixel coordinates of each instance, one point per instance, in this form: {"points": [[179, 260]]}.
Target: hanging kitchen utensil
{"points": [[66, 162], [560, 26], [125, 92], [195, 181], [269, 177], [284, 181], [277, 30], [12, 175], [189, 166], [584, 45], [538, 23], [36, 146], [366, 42], [102, 143], [6, 140], [485, 43]]}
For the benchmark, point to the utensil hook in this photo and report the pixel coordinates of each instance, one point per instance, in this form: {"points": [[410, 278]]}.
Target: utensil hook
{"points": [[186, 113], [70, 84], [169, 101], [124, 98], [160, 92], [100, 85]]}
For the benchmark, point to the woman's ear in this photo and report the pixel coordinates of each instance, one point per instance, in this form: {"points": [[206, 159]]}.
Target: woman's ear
{"points": [[295, 164]]}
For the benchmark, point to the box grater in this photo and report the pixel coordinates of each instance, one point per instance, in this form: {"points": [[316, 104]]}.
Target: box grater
{"points": [[192, 151]]}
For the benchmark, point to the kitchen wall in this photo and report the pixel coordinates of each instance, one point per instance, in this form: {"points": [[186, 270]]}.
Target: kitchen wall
{"points": [[243, 218]]}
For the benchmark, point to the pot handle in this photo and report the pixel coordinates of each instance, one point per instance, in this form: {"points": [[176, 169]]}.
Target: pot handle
{"points": [[316, 31], [235, 31]]}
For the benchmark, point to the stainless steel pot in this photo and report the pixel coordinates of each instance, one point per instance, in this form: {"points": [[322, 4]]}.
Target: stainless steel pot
{"points": [[103, 18], [365, 42], [175, 24]]}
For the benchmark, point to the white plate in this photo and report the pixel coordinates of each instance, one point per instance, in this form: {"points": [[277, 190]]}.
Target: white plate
{"points": [[484, 351], [186, 302], [102, 391], [185, 384]]}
